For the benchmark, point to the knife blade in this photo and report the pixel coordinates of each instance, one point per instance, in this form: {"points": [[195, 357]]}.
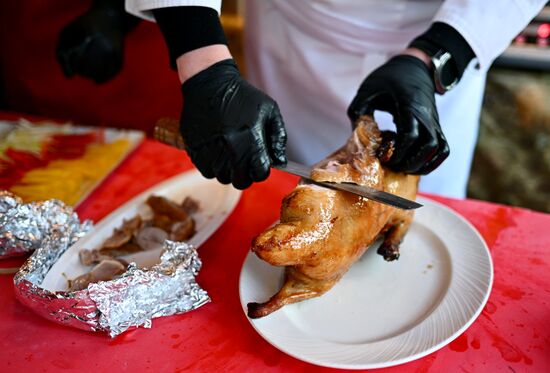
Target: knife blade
{"points": [[167, 132], [361, 190]]}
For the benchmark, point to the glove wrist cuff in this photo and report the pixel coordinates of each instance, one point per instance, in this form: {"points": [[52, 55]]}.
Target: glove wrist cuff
{"points": [[227, 68]]}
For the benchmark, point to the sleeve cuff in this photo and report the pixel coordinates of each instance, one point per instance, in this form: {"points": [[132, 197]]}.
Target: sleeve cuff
{"points": [[488, 29], [186, 28], [144, 8]]}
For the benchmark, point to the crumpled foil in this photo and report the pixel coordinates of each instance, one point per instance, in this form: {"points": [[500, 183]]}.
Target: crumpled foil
{"points": [[138, 296], [25, 226], [132, 300]]}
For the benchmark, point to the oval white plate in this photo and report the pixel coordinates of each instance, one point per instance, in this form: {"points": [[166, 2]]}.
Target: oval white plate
{"points": [[216, 203], [383, 313]]}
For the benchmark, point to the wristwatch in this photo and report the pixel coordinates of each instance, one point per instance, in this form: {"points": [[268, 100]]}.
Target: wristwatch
{"points": [[443, 69]]}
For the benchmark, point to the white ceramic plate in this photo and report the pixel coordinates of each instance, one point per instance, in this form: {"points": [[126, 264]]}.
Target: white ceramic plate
{"points": [[383, 313], [216, 203]]}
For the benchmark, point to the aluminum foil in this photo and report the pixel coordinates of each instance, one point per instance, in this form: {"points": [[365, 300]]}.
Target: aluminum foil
{"points": [[132, 300], [25, 226]]}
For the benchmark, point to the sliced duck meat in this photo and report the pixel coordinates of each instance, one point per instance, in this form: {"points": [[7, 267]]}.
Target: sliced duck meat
{"points": [[163, 206], [104, 271], [183, 230], [123, 234], [190, 205]]}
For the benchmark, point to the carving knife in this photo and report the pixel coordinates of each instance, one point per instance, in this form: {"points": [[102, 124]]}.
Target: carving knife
{"points": [[167, 132]]}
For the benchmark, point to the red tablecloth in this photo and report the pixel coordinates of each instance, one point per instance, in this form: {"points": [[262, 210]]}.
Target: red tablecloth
{"points": [[511, 335]]}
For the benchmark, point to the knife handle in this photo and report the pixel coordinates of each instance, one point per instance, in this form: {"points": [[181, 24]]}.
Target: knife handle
{"points": [[167, 131]]}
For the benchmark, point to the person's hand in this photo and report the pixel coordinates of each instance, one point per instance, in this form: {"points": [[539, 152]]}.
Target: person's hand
{"points": [[232, 130], [404, 87], [93, 44]]}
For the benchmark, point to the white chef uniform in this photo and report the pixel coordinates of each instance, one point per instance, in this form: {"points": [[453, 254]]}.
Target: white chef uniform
{"points": [[311, 56]]}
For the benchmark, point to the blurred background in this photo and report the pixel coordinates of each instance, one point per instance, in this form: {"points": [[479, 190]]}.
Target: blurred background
{"points": [[512, 160]]}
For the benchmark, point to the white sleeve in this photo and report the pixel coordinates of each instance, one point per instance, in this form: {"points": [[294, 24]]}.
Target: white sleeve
{"points": [[488, 26], [142, 8]]}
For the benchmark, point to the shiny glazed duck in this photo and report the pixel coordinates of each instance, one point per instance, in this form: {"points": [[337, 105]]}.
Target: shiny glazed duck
{"points": [[322, 232]]}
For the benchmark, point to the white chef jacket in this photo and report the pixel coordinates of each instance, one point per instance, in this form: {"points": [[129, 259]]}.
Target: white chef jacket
{"points": [[311, 56], [487, 25]]}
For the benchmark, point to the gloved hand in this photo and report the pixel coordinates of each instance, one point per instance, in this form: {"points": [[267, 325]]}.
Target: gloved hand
{"points": [[232, 130], [404, 87], [93, 44]]}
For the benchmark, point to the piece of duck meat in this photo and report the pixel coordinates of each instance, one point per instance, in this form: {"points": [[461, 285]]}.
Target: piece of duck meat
{"points": [[183, 230], [173, 218], [163, 206], [123, 234], [119, 243], [106, 270], [190, 205], [163, 222], [89, 257], [322, 232]]}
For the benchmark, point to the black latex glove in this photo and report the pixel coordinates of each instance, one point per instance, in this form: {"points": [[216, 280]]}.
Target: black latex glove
{"points": [[404, 87], [93, 44], [232, 130]]}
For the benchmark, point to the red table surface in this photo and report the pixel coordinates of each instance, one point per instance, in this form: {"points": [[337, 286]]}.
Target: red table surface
{"points": [[511, 335]]}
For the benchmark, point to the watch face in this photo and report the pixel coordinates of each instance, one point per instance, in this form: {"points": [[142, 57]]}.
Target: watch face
{"points": [[449, 73], [445, 71]]}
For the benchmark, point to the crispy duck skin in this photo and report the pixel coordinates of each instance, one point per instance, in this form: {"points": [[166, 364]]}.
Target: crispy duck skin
{"points": [[322, 232]]}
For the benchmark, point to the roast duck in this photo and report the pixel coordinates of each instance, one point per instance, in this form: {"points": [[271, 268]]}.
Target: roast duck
{"points": [[322, 232]]}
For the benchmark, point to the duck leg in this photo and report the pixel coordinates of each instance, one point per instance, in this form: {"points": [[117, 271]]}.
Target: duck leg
{"points": [[296, 288], [394, 235]]}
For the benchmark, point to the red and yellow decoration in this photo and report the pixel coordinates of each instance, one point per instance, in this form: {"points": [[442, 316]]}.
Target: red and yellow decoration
{"points": [[45, 160]]}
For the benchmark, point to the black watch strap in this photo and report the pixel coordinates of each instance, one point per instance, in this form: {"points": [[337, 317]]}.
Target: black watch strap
{"points": [[441, 38]]}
